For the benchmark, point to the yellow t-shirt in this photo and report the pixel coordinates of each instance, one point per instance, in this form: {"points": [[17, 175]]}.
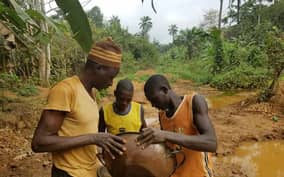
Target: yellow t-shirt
{"points": [[82, 118], [131, 122]]}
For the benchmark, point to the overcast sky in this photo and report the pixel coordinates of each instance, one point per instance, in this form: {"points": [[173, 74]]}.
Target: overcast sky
{"points": [[183, 13]]}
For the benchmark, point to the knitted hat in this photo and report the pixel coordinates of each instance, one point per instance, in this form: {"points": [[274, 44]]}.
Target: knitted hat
{"points": [[106, 53]]}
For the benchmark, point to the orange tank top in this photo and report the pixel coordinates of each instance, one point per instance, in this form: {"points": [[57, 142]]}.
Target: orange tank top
{"points": [[196, 163]]}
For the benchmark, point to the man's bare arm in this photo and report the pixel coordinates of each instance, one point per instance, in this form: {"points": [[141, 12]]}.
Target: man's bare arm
{"points": [[204, 141]]}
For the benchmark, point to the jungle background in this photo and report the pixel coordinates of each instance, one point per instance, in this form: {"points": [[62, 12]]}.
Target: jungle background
{"points": [[235, 60]]}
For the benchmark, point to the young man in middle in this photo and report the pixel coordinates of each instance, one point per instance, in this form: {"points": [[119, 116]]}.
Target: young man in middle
{"points": [[123, 115]]}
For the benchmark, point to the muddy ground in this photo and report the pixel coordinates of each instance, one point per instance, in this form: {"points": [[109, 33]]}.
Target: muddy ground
{"points": [[235, 122]]}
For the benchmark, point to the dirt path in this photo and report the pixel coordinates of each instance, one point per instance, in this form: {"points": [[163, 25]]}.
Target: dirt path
{"points": [[234, 124]]}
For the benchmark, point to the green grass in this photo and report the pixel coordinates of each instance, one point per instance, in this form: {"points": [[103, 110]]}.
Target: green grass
{"points": [[282, 78], [197, 70]]}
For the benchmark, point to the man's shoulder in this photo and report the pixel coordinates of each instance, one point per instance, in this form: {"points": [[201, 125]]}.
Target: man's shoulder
{"points": [[136, 104], [67, 83], [69, 80]]}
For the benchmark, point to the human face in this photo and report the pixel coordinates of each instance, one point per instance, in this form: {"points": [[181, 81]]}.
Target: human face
{"points": [[158, 98], [104, 76], [123, 99]]}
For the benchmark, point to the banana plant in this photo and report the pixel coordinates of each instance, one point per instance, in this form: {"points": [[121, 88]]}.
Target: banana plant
{"points": [[78, 21]]}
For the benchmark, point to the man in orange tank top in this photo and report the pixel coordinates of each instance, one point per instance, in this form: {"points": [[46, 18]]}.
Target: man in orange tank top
{"points": [[185, 126]]}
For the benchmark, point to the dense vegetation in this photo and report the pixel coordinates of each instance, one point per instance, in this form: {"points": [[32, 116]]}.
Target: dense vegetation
{"points": [[242, 50]]}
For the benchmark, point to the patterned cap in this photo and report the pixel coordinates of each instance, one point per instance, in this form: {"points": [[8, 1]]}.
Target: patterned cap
{"points": [[106, 53]]}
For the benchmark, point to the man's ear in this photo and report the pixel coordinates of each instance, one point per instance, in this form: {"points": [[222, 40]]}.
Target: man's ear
{"points": [[115, 92]]}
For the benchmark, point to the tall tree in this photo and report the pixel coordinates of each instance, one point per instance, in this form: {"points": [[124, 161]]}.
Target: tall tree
{"points": [[238, 11], [173, 29], [275, 53], [145, 25], [210, 19], [115, 21], [96, 16], [220, 14], [217, 44], [45, 55], [192, 40]]}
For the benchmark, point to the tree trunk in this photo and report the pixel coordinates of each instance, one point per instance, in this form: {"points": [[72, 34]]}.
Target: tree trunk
{"points": [[238, 11], [259, 11], [44, 58], [273, 84], [271, 90], [220, 14]]}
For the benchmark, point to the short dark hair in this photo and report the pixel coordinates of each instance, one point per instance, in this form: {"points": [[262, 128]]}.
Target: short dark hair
{"points": [[124, 84], [155, 81]]}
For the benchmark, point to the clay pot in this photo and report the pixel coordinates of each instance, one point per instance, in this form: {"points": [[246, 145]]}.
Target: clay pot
{"points": [[154, 161]]}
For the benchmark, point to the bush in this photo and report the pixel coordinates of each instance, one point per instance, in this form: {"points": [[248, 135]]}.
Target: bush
{"points": [[129, 66], [245, 77], [27, 90], [10, 81], [14, 83], [197, 70], [101, 94]]}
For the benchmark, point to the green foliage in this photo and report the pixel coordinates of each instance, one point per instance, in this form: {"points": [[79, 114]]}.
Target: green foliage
{"points": [[194, 40], [101, 94], [275, 53], [218, 53], [197, 70], [67, 56], [236, 54], [274, 118], [275, 50], [96, 16], [14, 83], [143, 78], [129, 65], [247, 53], [256, 57], [244, 77], [78, 22], [173, 29], [27, 90], [9, 81], [142, 49], [275, 14], [22, 14], [145, 25], [8, 13], [176, 52]]}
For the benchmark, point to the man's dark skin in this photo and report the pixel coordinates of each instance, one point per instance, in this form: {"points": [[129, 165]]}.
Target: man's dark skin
{"points": [[46, 138], [123, 99], [164, 98]]}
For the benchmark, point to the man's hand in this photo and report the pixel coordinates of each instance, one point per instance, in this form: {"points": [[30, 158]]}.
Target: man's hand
{"points": [[150, 136], [110, 143]]}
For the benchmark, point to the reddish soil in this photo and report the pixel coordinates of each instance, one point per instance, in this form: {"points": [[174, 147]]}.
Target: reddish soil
{"points": [[234, 124]]}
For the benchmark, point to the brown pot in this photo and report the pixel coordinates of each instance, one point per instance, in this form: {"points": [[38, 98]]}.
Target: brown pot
{"points": [[154, 161]]}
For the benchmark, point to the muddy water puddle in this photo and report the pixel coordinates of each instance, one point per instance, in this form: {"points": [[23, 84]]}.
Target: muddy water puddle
{"points": [[260, 159], [227, 98]]}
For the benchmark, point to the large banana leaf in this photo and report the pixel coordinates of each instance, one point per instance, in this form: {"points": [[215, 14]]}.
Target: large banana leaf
{"points": [[78, 22], [22, 14]]}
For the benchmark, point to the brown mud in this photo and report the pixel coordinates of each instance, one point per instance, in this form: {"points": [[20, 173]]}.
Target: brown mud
{"points": [[234, 119]]}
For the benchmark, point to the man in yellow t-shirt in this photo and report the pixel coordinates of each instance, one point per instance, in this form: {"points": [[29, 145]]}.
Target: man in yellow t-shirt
{"points": [[123, 115], [68, 124]]}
